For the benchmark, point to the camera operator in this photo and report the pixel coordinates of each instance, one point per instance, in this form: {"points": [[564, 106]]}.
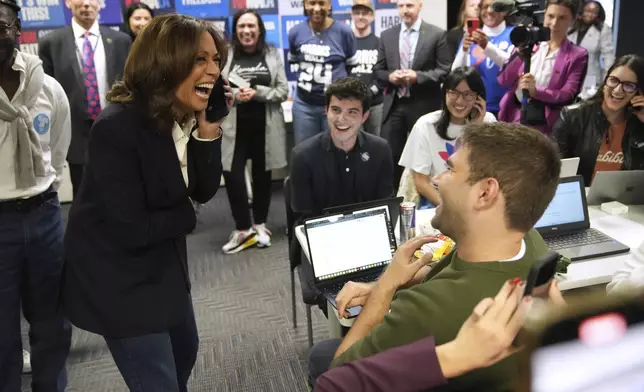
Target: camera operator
{"points": [[150, 151], [557, 70]]}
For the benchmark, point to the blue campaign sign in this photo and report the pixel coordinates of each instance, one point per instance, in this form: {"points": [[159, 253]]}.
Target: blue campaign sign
{"points": [[203, 8], [288, 22], [385, 4], [290, 69], [159, 7], [272, 25], [41, 13], [261, 6], [109, 14], [341, 6]]}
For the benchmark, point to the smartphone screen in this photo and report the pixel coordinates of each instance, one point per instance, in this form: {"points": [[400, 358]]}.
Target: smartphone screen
{"points": [[217, 108]]}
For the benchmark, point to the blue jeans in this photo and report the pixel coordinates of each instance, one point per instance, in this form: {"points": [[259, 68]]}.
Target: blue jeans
{"points": [[159, 362], [308, 120], [31, 264]]}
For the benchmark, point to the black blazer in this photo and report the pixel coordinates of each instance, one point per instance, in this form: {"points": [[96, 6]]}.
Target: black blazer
{"points": [[432, 63], [314, 175], [58, 53], [126, 270]]}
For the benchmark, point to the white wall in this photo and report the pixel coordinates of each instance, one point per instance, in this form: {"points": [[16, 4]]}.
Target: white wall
{"points": [[435, 12]]}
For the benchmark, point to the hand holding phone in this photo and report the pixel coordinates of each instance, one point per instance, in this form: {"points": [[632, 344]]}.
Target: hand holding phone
{"points": [[542, 272], [479, 110], [473, 24], [217, 103]]}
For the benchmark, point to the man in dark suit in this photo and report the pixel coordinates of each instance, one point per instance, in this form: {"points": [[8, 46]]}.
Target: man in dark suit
{"points": [[85, 59], [413, 59]]}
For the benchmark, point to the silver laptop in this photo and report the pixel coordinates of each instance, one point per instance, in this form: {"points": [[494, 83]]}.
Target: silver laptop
{"points": [[569, 167], [355, 245], [565, 225], [624, 186]]}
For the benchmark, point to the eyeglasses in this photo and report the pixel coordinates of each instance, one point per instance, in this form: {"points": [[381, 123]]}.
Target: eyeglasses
{"points": [[469, 96], [4, 28], [628, 87]]}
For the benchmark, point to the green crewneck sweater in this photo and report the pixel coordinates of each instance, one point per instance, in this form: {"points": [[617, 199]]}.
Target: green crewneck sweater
{"points": [[439, 306]]}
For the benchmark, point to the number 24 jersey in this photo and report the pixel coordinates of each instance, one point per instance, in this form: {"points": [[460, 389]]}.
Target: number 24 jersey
{"points": [[320, 58]]}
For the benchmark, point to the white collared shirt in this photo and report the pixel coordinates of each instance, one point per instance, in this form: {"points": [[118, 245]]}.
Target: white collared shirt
{"points": [[99, 56], [541, 67], [414, 33], [52, 123], [181, 136]]}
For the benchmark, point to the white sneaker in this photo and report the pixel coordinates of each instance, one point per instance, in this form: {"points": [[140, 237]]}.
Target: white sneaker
{"points": [[240, 240], [263, 236], [26, 361]]}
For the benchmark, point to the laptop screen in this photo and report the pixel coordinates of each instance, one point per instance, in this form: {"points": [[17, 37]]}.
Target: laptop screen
{"points": [[345, 244], [566, 207]]}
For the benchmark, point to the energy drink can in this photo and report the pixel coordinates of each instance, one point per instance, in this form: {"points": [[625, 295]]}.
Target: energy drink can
{"points": [[407, 215]]}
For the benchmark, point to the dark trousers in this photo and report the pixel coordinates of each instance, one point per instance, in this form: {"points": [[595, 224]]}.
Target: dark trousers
{"points": [[320, 358], [250, 143], [159, 362], [76, 176], [31, 264], [403, 115]]}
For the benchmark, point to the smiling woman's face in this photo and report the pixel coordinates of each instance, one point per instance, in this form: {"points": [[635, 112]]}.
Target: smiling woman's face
{"points": [[193, 93]]}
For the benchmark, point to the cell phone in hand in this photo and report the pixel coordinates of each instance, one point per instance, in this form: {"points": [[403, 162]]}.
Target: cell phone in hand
{"points": [[217, 107], [474, 113], [473, 24], [542, 271]]}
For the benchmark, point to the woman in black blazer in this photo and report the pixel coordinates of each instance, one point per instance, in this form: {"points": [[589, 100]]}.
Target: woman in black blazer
{"points": [[149, 153]]}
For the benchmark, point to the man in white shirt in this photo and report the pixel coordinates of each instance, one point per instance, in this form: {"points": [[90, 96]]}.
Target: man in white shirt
{"points": [[35, 132], [85, 59]]}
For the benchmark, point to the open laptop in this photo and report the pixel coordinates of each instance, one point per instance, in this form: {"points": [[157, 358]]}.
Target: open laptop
{"points": [[569, 167], [565, 225], [392, 203], [355, 245], [624, 186]]}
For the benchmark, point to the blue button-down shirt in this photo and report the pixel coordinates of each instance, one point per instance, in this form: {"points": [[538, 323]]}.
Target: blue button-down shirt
{"points": [[413, 38]]}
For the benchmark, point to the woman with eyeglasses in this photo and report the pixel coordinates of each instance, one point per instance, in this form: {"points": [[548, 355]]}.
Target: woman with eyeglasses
{"points": [[607, 131], [432, 139]]}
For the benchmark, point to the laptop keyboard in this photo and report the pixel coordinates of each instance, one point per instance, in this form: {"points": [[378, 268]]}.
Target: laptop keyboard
{"points": [[586, 237], [335, 288]]}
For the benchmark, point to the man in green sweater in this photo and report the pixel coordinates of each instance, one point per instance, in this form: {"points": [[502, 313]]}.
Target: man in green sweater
{"points": [[491, 196]]}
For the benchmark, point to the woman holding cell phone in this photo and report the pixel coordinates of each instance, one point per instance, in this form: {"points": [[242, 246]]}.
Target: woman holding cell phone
{"points": [[433, 138], [487, 49], [607, 131]]}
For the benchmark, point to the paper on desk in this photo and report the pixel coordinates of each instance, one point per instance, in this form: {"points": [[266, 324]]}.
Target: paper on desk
{"points": [[622, 229]]}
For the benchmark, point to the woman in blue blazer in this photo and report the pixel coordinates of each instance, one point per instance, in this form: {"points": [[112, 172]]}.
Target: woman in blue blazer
{"points": [[150, 152]]}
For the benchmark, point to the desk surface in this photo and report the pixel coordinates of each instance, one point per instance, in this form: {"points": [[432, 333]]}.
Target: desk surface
{"points": [[628, 229]]}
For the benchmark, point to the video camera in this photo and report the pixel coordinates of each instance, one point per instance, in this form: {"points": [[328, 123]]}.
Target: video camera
{"points": [[529, 30]]}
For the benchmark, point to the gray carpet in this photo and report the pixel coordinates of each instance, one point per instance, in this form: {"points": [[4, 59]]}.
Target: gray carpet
{"points": [[243, 310]]}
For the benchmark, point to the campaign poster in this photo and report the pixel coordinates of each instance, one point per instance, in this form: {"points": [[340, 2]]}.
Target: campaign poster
{"points": [[261, 6], [159, 7], [386, 19], [341, 6], [28, 42], [222, 24], [291, 7], [386, 4], [272, 25], [109, 13], [288, 22], [206, 9], [41, 13]]}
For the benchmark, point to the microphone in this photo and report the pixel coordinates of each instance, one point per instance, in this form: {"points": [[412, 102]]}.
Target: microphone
{"points": [[504, 6]]}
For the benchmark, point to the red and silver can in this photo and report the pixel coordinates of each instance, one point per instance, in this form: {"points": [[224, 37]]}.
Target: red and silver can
{"points": [[407, 215]]}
